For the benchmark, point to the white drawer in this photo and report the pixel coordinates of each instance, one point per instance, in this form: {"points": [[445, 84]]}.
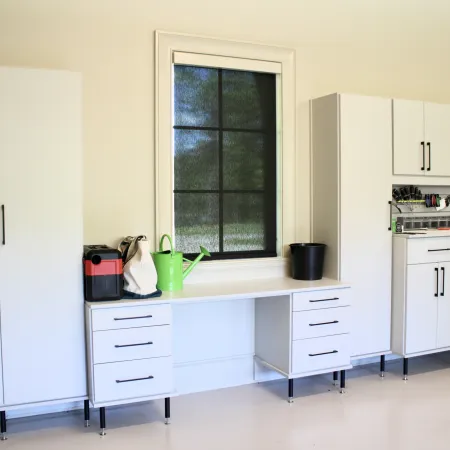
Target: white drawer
{"points": [[131, 317], [321, 299], [132, 343], [320, 353], [133, 379], [320, 322], [428, 250]]}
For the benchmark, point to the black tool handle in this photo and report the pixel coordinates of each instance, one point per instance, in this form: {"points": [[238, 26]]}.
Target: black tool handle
{"points": [[437, 281], [423, 155], [390, 216], [429, 156], [133, 345], [133, 318], [325, 353], [150, 377], [443, 281], [3, 225], [323, 323]]}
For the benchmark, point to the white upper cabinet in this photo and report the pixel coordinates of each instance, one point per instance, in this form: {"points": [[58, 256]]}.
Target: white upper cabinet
{"points": [[421, 138]]}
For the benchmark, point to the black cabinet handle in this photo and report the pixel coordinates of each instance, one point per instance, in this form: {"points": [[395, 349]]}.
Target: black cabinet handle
{"points": [[324, 300], [440, 250], [135, 379], [443, 281], [321, 354], [3, 225], [133, 345], [390, 216], [429, 156], [323, 323], [437, 281], [423, 155], [132, 318]]}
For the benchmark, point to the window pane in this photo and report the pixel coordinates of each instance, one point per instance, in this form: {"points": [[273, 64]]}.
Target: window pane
{"points": [[243, 228], [196, 222], [196, 96], [248, 99], [196, 159], [243, 160]]}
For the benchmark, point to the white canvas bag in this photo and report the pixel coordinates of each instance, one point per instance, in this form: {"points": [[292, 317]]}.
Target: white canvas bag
{"points": [[139, 272]]}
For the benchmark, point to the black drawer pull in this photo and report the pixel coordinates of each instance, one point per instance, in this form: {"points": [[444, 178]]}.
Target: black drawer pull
{"points": [[440, 250], [132, 318], [136, 379], [325, 353], [324, 300], [3, 225], [133, 345], [323, 323]]}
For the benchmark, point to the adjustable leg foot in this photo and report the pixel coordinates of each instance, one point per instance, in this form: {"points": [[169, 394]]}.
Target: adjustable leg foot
{"points": [[291, 391], [342, 390], [3, 425], [335, 378], [405, 369], [102, 421], [86, 413], [167, 410], [382, 365]]}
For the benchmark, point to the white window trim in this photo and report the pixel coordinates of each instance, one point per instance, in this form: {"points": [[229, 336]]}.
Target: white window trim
{"points": [[166, 44]]}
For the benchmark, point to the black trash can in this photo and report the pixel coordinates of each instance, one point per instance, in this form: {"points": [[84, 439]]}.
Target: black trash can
{"points": [[307, 261]]}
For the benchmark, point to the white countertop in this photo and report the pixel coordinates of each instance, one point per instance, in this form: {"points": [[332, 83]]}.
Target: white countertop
{"points": [[423, 234], [229, 291]]}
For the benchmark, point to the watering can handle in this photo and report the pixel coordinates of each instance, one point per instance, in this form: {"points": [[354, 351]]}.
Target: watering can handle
{"points": [[161, 249]]}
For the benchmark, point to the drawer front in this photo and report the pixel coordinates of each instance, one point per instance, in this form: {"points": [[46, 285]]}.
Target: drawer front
{"points": [[131, 317], [320, 353], [132, 343], [133, 379], [320, 322], [428, 250], [321, 299]]}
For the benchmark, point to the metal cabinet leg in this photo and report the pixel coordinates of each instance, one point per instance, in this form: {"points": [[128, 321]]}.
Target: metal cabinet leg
{"points": [[382, 365], [86, 413], [342, 382], [102, 421], [405, 368], [167, 410], [335, 378], [291, 391], [3, 425]]}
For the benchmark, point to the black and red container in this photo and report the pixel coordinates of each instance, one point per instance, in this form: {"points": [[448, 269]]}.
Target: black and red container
{"points": [[103, 273]]}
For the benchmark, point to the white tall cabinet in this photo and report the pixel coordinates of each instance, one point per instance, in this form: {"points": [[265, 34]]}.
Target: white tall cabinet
{"points": [[41, 238], [351, 188]]}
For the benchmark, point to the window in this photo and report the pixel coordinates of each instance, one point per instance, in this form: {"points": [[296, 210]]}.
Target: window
{"points": [[225, 161], [233, 59]]}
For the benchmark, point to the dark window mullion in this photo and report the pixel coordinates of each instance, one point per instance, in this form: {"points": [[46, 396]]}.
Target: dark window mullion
{"points": [[220, 105], [237, 130]]}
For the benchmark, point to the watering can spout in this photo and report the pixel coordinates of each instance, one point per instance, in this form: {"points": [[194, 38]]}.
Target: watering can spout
{"points": [[188, 270]]}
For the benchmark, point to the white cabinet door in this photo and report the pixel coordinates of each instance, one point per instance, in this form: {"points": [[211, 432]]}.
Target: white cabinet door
{"points": [[365, 190], [408, 137], [421, 307], [41, 294], [437, 137], [443, 326]]}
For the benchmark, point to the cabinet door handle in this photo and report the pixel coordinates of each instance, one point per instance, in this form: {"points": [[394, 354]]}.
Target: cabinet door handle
{"points": [[390, 216], [3, 225], [324, 300], [423, 155], [440, 250], [150, 377], [133, 318], [443, 281], [321, 354], [429, 156], [133, 345], [437, 281], [323, 323]]}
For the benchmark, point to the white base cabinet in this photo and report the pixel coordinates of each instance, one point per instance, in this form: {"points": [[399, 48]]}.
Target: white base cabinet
{"points": [[421, 296]]}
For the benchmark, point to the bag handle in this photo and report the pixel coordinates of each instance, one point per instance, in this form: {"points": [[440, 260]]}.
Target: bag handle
{"points": [[161, 248]]}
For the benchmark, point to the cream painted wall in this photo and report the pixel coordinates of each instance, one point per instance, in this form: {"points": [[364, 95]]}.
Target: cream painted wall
{"points": [[376, 47]]}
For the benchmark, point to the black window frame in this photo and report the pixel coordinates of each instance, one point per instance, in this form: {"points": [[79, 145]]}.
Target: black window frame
{"points": [[270, 178]]}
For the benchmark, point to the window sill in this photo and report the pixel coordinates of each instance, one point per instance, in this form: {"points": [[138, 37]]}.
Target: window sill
{"points": [[238, 270]]}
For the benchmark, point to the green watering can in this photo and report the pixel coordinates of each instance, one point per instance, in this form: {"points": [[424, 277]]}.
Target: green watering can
{"points": [[169, 266]]}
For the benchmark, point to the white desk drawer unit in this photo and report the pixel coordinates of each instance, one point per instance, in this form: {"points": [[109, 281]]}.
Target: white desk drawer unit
{"points": [[332, 298], [130, 355]]}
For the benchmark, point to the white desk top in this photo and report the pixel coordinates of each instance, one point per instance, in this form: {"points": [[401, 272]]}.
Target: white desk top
{"points": [[193, 293]]}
